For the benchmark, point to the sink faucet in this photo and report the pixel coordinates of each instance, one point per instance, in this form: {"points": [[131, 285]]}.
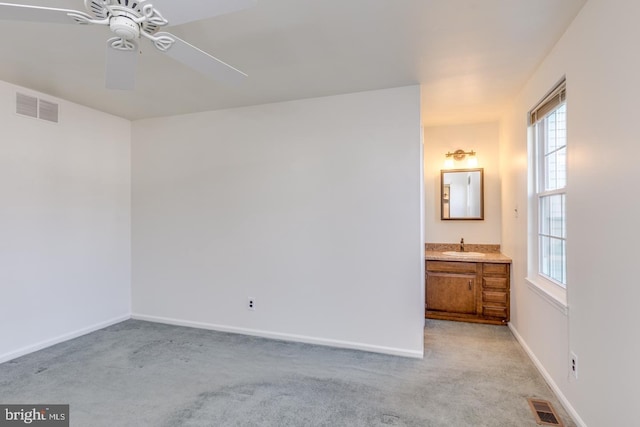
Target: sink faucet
{"points": [[462, 245]]}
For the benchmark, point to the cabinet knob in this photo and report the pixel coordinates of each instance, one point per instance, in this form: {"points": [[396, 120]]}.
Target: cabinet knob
{"points": [[469, 284]]}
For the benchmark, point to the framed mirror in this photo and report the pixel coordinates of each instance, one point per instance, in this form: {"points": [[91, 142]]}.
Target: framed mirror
{"points": [[462, 194]]}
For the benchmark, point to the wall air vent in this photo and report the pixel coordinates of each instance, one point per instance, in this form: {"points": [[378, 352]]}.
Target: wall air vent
{"points": [[27, 105], [31, 106], [48, 111]]}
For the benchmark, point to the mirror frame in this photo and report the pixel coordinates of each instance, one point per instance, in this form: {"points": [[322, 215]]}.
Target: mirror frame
{"points": [[442, 194]]}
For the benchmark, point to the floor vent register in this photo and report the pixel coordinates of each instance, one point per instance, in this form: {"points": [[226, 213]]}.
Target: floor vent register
{"points": [[544, 413]]}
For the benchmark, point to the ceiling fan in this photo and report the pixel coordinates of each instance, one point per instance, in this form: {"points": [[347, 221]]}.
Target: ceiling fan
{"points": [[130, 20]]}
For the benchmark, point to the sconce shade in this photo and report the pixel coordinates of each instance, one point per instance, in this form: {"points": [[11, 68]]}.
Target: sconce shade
{"points": [[472, 162]]}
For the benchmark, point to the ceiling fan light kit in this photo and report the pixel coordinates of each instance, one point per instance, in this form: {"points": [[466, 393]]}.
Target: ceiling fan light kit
{"points": [[130, 20]]}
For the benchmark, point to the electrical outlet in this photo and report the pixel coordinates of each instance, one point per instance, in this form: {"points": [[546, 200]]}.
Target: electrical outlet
{"points": [[251, 304], [573, 361]]}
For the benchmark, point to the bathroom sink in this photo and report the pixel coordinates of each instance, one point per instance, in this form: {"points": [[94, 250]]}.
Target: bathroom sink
{"points": [[464, 254]]}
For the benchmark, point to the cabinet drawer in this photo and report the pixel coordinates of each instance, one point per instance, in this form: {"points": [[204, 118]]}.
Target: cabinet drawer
{"points": [[494, 311], [494, 297], [495, 268], [452, 266], [494, 283]]}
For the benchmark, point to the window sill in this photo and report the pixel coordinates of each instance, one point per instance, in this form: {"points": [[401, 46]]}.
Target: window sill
{"points": [[551, 293]]}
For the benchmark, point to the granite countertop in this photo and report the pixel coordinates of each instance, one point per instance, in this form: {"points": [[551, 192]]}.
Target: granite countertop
{"points": [[495, 257], [491, 253]]}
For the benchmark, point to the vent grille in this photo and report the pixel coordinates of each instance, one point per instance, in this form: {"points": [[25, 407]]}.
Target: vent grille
{"points": [[27, 105], [544, 413], [31, 106], [48, 111]]}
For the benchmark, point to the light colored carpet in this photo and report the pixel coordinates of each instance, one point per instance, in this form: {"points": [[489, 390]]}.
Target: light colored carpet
{"points": [[145, 374]]}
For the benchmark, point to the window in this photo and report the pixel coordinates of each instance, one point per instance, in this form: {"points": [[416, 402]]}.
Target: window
{"points": [[548, 122]]}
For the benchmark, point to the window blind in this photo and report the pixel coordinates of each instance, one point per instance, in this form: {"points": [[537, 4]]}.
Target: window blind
{"points": [[556, 97]]}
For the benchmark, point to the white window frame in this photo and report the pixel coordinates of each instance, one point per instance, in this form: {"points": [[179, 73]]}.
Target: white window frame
{"points": [[541, 283]]}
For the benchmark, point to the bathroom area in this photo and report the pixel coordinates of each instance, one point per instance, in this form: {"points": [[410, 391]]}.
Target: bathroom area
{"points": [[467, 276]]}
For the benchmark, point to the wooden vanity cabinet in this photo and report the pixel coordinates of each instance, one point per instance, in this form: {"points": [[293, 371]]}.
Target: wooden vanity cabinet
{"points": [[467, 291]]}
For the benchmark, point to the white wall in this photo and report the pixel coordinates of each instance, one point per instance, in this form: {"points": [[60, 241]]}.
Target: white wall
{"points": [[311, 207], [484, 139], [64, 224], [600, 59]]}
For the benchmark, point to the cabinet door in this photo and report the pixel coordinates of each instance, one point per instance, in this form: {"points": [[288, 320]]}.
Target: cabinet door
{"points": [[451, 293]]}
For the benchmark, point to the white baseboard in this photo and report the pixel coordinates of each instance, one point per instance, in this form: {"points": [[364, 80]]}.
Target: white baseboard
{"points": [[282, 336], [547, 377], [62, 338]]}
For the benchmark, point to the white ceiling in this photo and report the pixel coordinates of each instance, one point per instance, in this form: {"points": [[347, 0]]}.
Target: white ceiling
{"points": [[470, 56]]}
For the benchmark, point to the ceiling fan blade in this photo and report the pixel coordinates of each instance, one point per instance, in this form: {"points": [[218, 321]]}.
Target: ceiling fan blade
{"points": [[201, 61], [21, 12], [120, 73], [181, 12]]}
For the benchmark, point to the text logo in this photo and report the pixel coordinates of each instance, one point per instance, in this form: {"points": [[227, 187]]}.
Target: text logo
{"points": [[34, 415]]}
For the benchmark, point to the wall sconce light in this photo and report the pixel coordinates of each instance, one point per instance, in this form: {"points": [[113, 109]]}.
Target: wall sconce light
{"points": [[460, 155]]}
